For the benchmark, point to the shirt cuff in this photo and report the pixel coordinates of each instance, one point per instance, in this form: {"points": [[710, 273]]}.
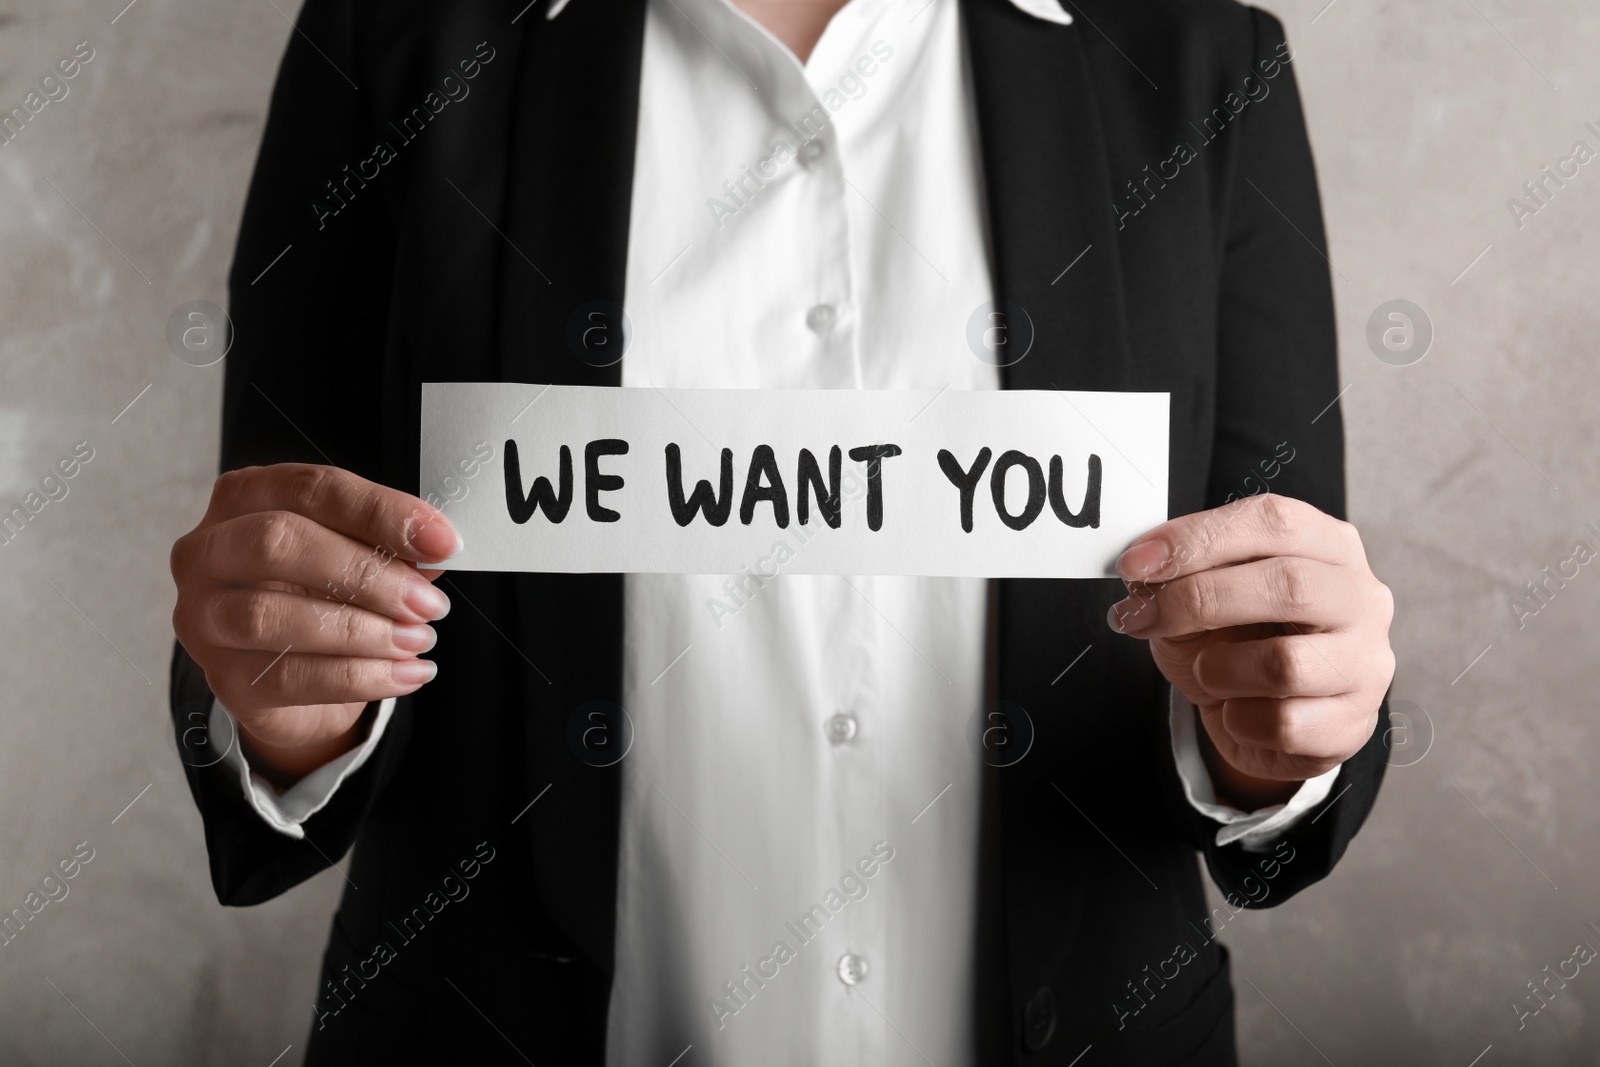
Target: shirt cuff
{"points": [[286, 811], [1254, 830]]}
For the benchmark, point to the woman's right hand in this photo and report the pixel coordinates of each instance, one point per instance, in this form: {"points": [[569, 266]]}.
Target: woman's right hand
{"points": [[300, 597]]}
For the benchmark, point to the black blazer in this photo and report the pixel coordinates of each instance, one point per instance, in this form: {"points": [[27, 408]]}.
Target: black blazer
{"points": [[463, 259]]}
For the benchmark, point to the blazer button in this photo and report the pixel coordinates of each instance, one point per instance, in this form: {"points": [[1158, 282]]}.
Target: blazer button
{"points": [[1039, 1020]]}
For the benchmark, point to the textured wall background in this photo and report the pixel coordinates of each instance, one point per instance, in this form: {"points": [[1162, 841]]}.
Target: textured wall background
{"points": [[1471, 470]]}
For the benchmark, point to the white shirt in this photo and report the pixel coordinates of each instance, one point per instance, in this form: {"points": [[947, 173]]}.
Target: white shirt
{"points": [[816, 226], [739, 808]]}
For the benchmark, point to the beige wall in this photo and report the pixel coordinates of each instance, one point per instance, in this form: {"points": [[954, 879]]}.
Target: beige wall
{"points": [[1470, 471]]}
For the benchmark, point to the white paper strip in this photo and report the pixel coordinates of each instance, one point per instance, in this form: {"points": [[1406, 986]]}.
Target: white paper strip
{"points": [[635, 480]]}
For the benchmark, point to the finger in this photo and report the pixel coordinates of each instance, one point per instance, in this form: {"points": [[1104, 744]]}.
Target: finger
{"points": [[1285, 589], [1255, 527], [366, 511], [1313, 728], [266, 620], [281, 546], [1300, 665], [294, 679]]}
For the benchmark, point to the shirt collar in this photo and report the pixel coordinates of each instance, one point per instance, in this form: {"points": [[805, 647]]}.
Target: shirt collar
{"points": [[1048, 10]]}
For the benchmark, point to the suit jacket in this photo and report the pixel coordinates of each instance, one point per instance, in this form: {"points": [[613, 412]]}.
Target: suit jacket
{"points": [[463, 258]]}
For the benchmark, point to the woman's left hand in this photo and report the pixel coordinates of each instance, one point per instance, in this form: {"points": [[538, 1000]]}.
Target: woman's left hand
{"points": [[1266, 616]]}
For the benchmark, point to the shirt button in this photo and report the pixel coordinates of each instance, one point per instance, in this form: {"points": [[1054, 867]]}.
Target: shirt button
{"points": [[810, 152], [819, 320], [841, 728], [852, 968]]}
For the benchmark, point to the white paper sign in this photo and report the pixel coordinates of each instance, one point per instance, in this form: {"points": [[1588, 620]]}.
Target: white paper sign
{"points": [[723, 481]]}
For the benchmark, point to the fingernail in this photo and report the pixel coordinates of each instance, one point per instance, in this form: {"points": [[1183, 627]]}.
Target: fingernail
{"points": [[413, 671], [1145, 559], [435, 539], [414, 638], [426, 599], [1132, 615]]}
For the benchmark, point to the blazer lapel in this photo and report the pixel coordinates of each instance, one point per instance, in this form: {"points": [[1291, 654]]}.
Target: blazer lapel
{"points": [[1049, 198], [1056, 257], [568, 188], [569, 184]]}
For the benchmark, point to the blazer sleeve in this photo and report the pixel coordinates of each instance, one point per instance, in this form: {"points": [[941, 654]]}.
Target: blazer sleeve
{"points": [[1277, 377], [308, 302]]}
